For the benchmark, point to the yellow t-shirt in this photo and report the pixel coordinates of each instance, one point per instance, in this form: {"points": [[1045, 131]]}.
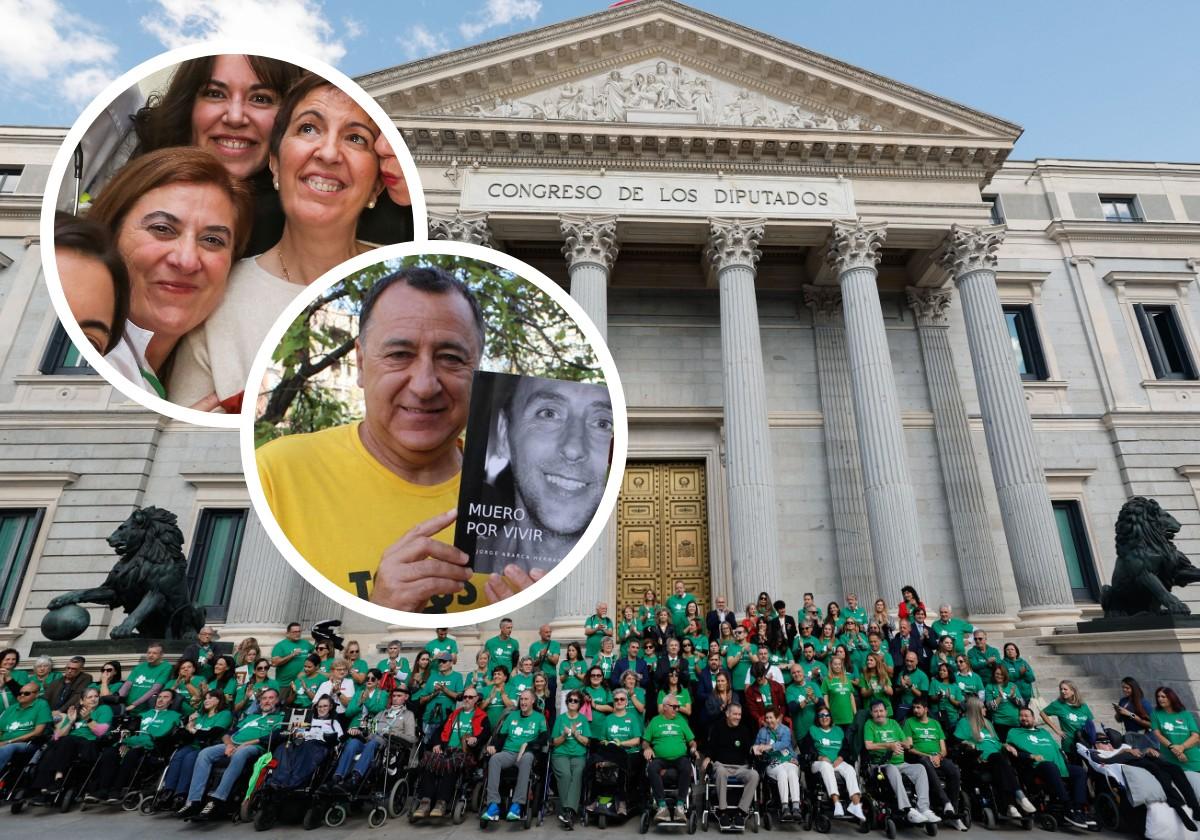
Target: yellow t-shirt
{"points": [[341, 508]]}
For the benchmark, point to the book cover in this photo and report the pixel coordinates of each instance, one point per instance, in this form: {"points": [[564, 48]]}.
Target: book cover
{"points": [[535, 465]]}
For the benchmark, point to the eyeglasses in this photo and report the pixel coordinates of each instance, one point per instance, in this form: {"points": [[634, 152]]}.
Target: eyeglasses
{"points": [[476, 697], [571, 700], [370, 679], [823, 714], [108, 670], [261, 668], [672, 705], [26, 693], [616, 700]]}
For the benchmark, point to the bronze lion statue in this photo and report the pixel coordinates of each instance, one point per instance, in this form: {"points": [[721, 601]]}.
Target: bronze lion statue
{"points": [[149, 581], [1148, 563]]}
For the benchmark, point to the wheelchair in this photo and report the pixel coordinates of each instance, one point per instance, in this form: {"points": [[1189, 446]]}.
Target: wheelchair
{"points": [[1050, 814], [386, 791], [17, 776], [691, 812], [147, 776], [606, 781], [883, 811], [710, 810], [818, 806], [978, 802], [772, 806], [536, 798], [465, 795], [266, 804]]}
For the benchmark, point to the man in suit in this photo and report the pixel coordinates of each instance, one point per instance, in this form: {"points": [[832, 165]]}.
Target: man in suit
{"points": [[783, 627], [716, 616], [67, 690], [632, 662], [905, 639], [708, 675]]}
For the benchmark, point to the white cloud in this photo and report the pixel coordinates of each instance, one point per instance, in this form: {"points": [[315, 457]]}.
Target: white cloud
{"points": [[43, 42], [499, 13], [420, 42], [354, 28], [299, 24]]}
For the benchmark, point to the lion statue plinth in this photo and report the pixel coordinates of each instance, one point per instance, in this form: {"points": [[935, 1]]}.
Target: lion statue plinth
{"points": [[1148, 563], [149, 581]]}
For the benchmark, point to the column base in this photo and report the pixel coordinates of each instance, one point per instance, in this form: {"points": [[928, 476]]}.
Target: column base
{"points": [[1043, 620], [568, 628], [993, 622]]}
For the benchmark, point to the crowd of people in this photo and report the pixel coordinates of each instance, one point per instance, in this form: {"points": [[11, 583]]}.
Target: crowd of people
{"points": [[770, 697]]}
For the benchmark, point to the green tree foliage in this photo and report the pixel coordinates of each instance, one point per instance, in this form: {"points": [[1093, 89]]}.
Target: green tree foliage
{"points": [[527, 333]]}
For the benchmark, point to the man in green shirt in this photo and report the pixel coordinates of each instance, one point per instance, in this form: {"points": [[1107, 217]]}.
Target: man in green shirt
{"points": [[886, 743], [546, 653], [911, 684], [443, 643], [983, 657], [955, 628], [929, 750], [21, 724], [814, 669], [288, 655], [803, 695], [677, 604], [1028, 740], [146, 679], [514, 743], [439, 695], [668, 743], [853, 610], [597, 626], [504, 649]]}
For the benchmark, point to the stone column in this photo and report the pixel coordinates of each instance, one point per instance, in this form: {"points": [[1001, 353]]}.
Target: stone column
{"points": [[1033, 542], [591, 249], [460, 226], [983, 590], [753, 530], [266, 589], [851, 531], [891, 508]]}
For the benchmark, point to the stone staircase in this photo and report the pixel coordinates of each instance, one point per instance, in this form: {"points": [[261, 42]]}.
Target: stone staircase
{"points": [[1050, 668]]}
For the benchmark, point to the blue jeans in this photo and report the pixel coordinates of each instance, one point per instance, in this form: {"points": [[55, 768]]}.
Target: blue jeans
{"points": [[8, 751], [179, 771], [214, 756], [356, 755]]}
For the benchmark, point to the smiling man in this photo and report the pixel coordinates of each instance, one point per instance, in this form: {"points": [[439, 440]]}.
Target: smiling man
{"points": [[371, 505]]}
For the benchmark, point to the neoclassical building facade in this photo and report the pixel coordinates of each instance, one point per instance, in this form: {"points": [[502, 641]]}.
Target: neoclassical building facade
{"points": [[861, 347]]}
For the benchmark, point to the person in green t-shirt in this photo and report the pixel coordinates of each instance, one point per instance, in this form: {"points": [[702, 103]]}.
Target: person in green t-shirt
{"points": [[439, 695], [606, 659], [23, 723], [572, 668], [569, 740], [946, 696], [369, 701], [840, 693], [146, 679], [597, 694], [1003, 701], [247, 693], [886, 744], [948, 625], [677, 604], [288, 654], [668, 742], [504, 649], [443, 642], [911, 684], [927, 747], [354, 659], [628, 629], [394, 667], [514, 743], [976, 734], [983, 656], [969, 683], [739, 656], [1038, 746], [803, 697], [75, 743], [1175, 728], [188, 686], [853, 610], [205, 727], [827, 741], [546, 653], [521, 678], [597, 627], [118, 763], [617, 739], [304, 686], [1072, 714], [1020, 672]]}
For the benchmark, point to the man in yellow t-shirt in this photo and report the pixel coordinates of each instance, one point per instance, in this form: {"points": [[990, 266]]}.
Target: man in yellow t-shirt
{"points": [[371, 505]]}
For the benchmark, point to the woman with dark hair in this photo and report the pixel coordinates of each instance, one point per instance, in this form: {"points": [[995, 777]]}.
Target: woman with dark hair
{"points": [[422, 667], [187, 685], [11, 677], [75, 735], [1020, 672], [833, 615], [648, 611], [246, 697], [1003, 701], [1175, 728], [568, 755], [94, 280], [676, 684], [945, 696], [1133, 710], [110, 682], [307, 747], [224, 678], [303, 690], [764, 607], [597, 696], [205, 727], [370, 699], [910, 602]]}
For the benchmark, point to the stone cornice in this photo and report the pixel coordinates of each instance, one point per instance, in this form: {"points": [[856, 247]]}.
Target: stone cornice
{"points": [[930, 306], [20, 207], [589, 239], [855, 244], [461, 226], [734, 242], [1150, 278], [971, 249], [1099, 231]]}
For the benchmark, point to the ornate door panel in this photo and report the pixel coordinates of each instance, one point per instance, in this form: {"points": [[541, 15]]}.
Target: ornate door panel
{"points": [[662, 527]]}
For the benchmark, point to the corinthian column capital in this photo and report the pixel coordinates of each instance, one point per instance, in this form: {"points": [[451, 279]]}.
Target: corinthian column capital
{"points": [[589, 239], [461, 227], [929, 305], [825, 303], [971, 249], [734, 242], [855, 244]]}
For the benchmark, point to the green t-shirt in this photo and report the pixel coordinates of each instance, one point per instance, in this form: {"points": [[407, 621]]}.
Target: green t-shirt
{"points": [[1005, 712], [502, 651], [81, 729], [926, 737], [920, 682], [616, 727], [400, 669], [446, 645], [803, 719], [460, 730], [815, 670], [742, 668], [678, 607], [570, 674], [682, 694], [301, 685], [599, 694], [571, 745], [519, 730], [552, 648], [517, 683], [374, 703], [258, 688], [627, 631], [840, 694], [954, 628], [257, 727], [185, 699], [219, 720], [988, 744], [1023, 682], [605, 664], [440, 707], [668, 738], [592, 645], [154, 725], [205, 657], [17, 722], [144, 677], [982, 662], [888, 732], [875, 689], [287, 672], [969, 684], [1038, 742], [941, 694], [1070, 718], [827, 742], [494, 705], [859, 614], [481, 680], [1177, 727]]}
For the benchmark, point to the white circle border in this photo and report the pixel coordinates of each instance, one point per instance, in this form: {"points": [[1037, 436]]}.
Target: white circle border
{"points": [[62, 161], [608, 501]]}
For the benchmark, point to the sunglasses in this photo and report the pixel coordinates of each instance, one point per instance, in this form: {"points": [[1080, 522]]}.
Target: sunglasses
{"points": [[824, 714], [261, 668], [476, 697], [571, 700], [108, 670], [616, 700], [672, 705]]}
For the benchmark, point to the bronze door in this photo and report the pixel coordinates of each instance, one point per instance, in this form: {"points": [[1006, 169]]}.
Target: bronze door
{"points": [[662, 532]]}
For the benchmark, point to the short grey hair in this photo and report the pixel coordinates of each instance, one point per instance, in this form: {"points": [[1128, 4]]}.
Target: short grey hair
{"points": [[43, 660], [77, 659]]}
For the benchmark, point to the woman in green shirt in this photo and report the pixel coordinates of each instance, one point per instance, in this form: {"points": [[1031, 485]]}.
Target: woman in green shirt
{"points": [[571, 669], [224, 677], [495, 701], [839, 693], [648, 611], [946, 696], [1073, 717], [606, 658], [205, 726], [764, 607], [628, 629], [695, 633], [1175, 728], [246, 697], [110, 681], [75, 743], [598, 697], [421, 670], [833, 616], [875, 683], [825, 642], [43, 673], [187, 685], [1020, 672], [11, 678], [368, 701], [635, 693], [969, 683], [480, 677], [1003, 701], [304, 687], [568, 756], [976, 734], [944, 655], [676, 685], [695, 661]]}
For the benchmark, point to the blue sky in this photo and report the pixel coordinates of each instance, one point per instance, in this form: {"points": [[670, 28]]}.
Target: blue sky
{"points": [[1100, 79]]}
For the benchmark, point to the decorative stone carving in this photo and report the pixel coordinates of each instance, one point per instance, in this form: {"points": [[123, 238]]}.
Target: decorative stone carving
{"points": [[970, 249], [825, 303], [856, 244], [1148, 563], [659, 91], [929, 305], [461, 227], [589, 239], [734, 242]]}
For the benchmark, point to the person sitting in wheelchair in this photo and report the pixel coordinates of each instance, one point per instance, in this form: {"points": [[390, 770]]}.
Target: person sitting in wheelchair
{"points": [[23, 723], [76, 744], [827, 740], [729, 750], [367, 735], [456, 747], [929, 750], [120, 762], [668, 742], [886, 745], [307, 747], [513, 744], [1029, 741], [617, 740], [203, 728], [774, 744]]}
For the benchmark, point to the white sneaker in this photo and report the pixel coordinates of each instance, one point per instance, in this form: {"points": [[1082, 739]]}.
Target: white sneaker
{"points": [[959, 825], [1013, 813], [1025, 805], [855, 810], [839, 811], [915, 817], [949, 809], [930, 817]]}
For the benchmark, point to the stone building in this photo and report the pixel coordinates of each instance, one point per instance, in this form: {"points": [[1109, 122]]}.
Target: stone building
{"points": [[861, 347]]}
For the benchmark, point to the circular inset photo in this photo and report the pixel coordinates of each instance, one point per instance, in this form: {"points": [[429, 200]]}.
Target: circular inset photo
{"points": [[442, 431], [197, 197]]}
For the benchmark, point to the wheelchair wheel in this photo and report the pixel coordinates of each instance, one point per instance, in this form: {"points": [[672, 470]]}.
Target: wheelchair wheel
{"points": [[931, 829], [398, 799], [1046, 822], [822, 823], [693, 821], [704, 822], [964, 809], [989, 819], [18, 806], [131, 801], [377, 816], [1108, 815], [264, 818], [459, 815], [246, 811], [67, 800], [752, 822], [768, 820], [336, 815], [889, 828], [643, 824], [312, 818], [602, 820]]}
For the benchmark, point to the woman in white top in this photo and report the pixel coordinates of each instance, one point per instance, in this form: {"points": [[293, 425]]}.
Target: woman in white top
{"points": [[339, 687], [306, 748]]}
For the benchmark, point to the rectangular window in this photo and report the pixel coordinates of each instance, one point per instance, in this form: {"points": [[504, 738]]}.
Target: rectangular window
{"points": [[62, 356], [214, 558], [1120, 208], [1027, 347], [18, 530], [9, 176], [1165, 343], [1081, 569], [993, 203]]}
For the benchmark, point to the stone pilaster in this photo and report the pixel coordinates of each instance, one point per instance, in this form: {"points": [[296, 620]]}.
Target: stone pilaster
{"points": [[753, 520], [983, 591], [851, 531], [891, 507], [460, 226], [266, 589], [590, 247], [1033, 542]]}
